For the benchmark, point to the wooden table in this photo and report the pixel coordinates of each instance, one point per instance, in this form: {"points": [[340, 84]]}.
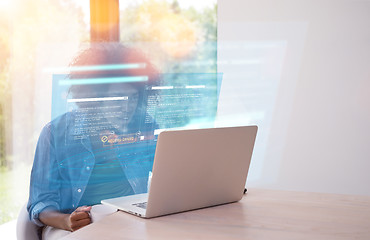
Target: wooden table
{"points": [[261, 214]]}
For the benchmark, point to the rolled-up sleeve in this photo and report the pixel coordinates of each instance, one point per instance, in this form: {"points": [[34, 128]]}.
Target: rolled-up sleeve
{"points": [[44, 184]]}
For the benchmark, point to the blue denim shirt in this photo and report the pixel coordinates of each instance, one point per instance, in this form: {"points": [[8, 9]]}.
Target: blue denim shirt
{"points": [[63, 165]]}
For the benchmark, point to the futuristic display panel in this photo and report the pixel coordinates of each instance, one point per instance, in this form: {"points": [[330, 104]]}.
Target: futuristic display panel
{"points": [[115, 125]]}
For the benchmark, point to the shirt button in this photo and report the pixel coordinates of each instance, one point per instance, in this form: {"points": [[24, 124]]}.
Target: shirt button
{"points": [[73, 205], [87, 168], [79, 190]]}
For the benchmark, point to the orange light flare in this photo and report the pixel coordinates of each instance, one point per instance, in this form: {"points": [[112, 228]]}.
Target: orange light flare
{"points": [[104, 16]]}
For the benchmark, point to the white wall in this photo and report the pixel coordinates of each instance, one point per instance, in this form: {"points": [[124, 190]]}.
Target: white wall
{"points": [[310, 94]]}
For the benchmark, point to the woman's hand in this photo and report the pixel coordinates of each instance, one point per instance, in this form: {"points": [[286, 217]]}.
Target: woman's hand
{"points": [[79, 218], [70, 222]]}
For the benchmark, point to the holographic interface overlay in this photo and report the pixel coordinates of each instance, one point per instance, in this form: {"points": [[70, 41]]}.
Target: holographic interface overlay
{"points": [[110, 133]]}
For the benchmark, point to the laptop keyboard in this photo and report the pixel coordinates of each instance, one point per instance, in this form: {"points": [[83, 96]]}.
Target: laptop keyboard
{"points": [[140, 205]]}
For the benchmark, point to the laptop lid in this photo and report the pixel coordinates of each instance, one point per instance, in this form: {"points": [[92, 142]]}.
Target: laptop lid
{"points": [[199, 168]]}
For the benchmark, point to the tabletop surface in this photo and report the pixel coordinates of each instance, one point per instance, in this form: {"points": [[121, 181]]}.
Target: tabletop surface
{"points": [[261, 214]]}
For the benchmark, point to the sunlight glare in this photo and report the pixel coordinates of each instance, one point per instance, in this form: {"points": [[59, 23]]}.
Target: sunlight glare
{"points": [[5, 3]]}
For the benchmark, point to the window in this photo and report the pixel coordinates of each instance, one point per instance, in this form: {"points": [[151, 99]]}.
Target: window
{"points": [[39, 38]]}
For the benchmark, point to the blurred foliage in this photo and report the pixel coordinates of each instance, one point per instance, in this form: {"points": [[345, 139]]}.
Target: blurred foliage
{"points": [[4, 80], [172, 36], [25, 26], [5, 197], [13, 191], [179, 41]]}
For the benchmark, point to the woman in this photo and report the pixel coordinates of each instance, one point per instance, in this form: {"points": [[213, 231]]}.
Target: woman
{"points": [[101, 149]]}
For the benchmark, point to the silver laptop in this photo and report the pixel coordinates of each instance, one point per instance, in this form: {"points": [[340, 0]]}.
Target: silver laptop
{"points": [[194, 169]]}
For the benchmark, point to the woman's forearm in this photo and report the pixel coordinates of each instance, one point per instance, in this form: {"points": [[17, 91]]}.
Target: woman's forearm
{"points": [[55, 219], [70, 222]]}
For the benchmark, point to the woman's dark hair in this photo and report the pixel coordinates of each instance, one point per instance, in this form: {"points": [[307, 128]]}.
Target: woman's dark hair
{"points": [[110, 54], [96, 63]]}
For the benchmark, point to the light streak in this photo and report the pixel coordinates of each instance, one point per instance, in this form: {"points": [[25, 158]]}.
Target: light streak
{"points": [[96, 68], [96, 99], [195, 86], [162, 87], [84, 81]]}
